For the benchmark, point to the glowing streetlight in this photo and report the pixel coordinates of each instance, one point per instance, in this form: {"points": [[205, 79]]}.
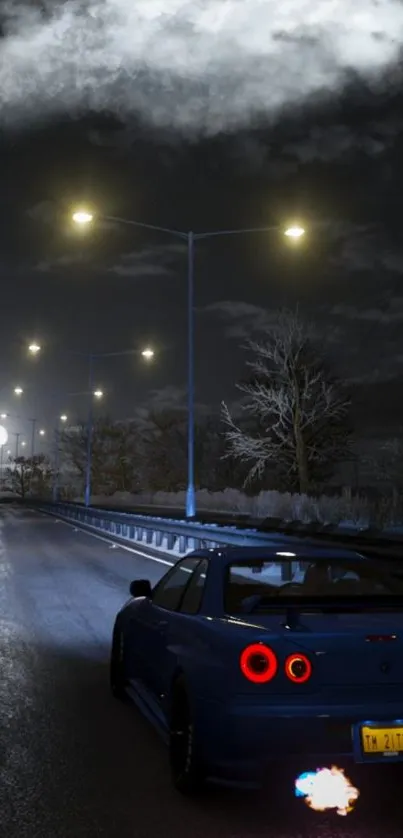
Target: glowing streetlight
{"points": [[148, 354], [82, 217], [98, 394], [34, 348], [3, 436], [3, 415], [41, 432], [18, 391], [63, 418], [294, 232]]}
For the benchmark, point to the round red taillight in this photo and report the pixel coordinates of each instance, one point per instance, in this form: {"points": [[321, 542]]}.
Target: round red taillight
{"points": [[298, 668], [258, 663]]}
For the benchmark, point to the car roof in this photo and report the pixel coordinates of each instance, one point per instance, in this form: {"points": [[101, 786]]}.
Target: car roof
{"points": [[268, 552]]}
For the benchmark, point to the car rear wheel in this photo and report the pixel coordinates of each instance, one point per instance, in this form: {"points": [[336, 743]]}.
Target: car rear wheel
{"points": [[187, 770], [117, 672]]}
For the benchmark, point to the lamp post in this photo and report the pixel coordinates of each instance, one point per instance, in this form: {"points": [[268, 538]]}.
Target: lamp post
{"points": [[87, 492], [83, 217], [17, 443], [55, 487], [147, 353]]}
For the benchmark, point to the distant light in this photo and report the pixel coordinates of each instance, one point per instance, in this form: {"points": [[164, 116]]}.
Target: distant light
{"points": [[3, 415], [82, 217], [23, 444], [148, 354], [9, 452], [287, 555], [3, 436], [294, 232], [18, 391], [34, 348], [98, 394], [63, 418], [41, 432]]}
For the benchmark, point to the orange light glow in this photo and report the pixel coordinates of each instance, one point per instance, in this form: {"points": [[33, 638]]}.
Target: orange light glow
{"points": [[327, 788]]}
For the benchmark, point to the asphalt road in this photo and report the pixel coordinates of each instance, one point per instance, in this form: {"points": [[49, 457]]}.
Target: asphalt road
{"points": [[73, 761]]}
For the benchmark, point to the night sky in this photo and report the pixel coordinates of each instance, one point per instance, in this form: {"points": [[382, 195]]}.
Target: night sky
{"points": [[204, 117]]}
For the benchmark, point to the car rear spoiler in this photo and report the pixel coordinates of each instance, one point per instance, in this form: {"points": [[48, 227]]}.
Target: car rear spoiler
{"points": [[296, 606]]}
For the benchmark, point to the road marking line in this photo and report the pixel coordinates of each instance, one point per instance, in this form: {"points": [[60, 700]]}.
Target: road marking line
{"points": [[108, 541]]}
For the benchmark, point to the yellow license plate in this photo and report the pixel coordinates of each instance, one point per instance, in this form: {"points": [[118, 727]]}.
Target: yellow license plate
{"points": [[382, 740]]}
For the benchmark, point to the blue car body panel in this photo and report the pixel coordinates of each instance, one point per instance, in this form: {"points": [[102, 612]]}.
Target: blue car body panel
{"points": [[242, 725]]}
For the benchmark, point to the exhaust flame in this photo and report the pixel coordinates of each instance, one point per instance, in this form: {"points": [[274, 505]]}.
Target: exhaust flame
{"points": [[327, 788]]}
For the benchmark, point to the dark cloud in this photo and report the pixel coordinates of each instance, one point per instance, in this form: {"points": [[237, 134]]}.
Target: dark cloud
{"points": [[209, 67]]}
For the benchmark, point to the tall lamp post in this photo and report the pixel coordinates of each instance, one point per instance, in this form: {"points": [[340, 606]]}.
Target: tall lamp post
{"points": [[55, 488], [148, 354], [92, 393], [83, 217], [3, 442]]}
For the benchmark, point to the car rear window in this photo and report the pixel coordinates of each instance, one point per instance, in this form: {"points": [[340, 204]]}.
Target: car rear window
{"points": [[255, 584]]}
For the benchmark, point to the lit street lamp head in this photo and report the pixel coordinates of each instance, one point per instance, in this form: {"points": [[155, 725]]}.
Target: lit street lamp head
{"points": [[63, 418], [98, 394], [294, 232], [34, 348], [41, 432], [18, 391], [3, 415], [148, 354], [82, 217]]}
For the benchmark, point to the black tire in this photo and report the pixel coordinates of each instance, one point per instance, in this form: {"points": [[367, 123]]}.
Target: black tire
{"points": [[187, 770], [117, 677]]}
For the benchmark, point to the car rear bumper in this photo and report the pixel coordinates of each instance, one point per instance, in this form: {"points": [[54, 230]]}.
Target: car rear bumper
{"points": [[243, 741]]}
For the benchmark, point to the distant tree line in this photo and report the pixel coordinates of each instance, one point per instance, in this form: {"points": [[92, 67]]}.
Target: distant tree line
{"points": [[289, 431]]}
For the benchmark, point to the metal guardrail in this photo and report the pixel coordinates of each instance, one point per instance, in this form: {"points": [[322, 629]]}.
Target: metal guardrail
{"points": [[162, 533], [174, 534]]}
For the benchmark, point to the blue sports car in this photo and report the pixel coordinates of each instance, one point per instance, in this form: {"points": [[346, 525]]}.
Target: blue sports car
{"points": [[245, 656]]}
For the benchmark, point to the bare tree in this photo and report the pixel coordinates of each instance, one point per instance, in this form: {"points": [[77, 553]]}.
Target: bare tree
{"points": [[29, 476], [114, 455], [298, 414]]}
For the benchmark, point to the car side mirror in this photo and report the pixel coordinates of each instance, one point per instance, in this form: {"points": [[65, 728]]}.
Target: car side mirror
{"points": [[140, 587]]}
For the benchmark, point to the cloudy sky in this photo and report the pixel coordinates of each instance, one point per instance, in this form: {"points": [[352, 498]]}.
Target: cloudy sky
{"points": [[198, 116]]}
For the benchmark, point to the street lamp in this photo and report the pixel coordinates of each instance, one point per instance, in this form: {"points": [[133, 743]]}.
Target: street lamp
{"points": [[34, 348], [3, 442], [41, 432], [295, 232], [3, 415], [84, 217], [63, 418], [148, 354], [98, 394], [18, 391]]}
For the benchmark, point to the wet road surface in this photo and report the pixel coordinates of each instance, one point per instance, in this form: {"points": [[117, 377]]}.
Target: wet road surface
{"points": [[73, 761]]}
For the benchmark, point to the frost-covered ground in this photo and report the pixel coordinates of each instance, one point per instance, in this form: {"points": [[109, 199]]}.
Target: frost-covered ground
{"points": [[346, 511]]}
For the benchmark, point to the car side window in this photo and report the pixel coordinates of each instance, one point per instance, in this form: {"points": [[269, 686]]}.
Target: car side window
{"points": [[193, 595], [169, 591]]}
